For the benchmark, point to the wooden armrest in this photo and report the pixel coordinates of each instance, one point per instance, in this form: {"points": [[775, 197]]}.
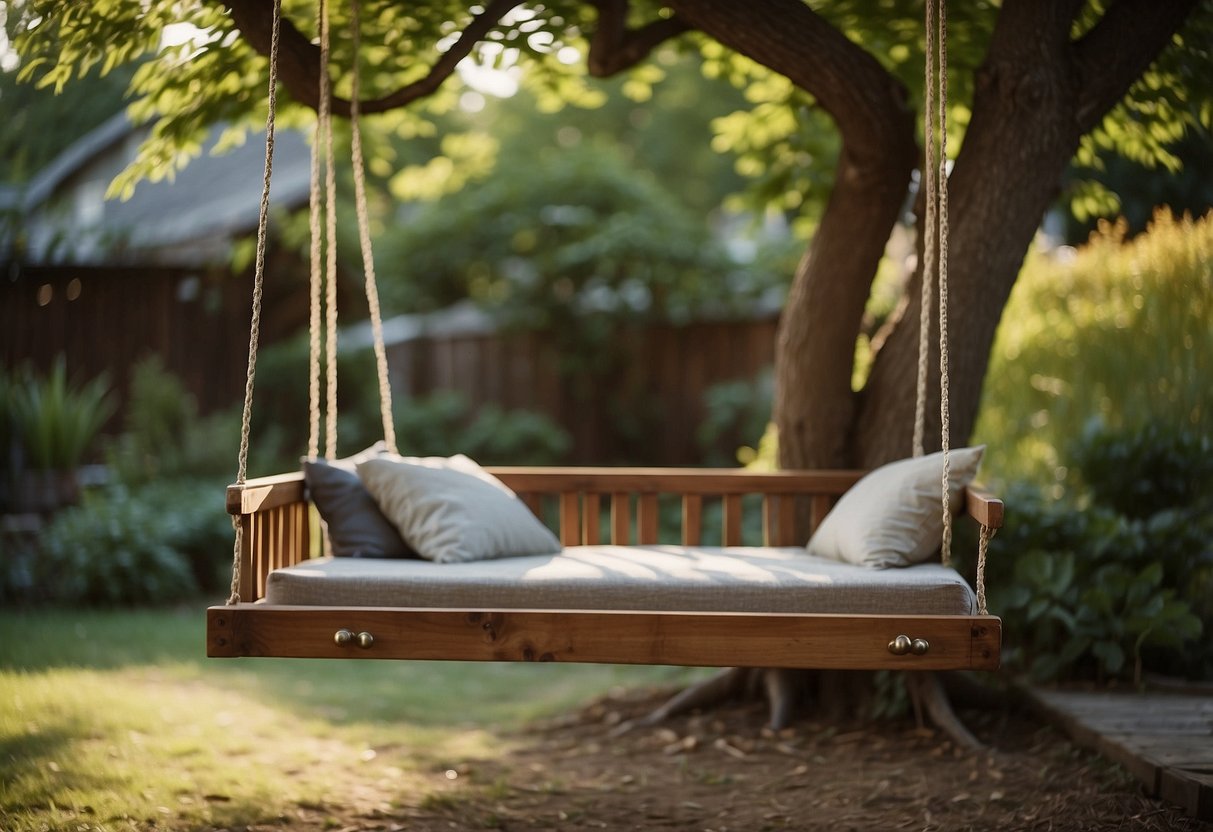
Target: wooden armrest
{"points": [[983, 507], [262, 493]]}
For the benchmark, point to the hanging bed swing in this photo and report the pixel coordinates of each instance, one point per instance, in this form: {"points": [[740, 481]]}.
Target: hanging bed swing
{"points": [[602, 588]]}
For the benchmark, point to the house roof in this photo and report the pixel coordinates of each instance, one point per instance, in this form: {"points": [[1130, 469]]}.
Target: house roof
{"points": [[183, 220]]}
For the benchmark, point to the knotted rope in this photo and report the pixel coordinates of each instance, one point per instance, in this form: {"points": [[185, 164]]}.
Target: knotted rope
{"points": [[258, 293]]}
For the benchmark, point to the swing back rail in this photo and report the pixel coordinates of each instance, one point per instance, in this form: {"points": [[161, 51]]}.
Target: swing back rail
{"points": [[592, 505]]}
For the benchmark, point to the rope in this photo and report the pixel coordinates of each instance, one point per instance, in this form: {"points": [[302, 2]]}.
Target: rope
{"points": [[928, 248], [364, 239], [983, 548], [324, 113], [945, 421], [258, 294], [314, 277]]}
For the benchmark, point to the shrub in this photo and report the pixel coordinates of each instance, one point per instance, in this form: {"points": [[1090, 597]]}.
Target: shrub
{"points": [[738, 413], [55, 420], [123, 546], [442, 424], [111, 549], [1118, 330], [1116, 583]]}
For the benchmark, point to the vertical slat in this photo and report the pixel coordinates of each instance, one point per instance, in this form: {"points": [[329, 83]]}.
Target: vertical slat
{"points": [[692, 514], [770, 520], [732, 520], [248, 564], [621, 520], [647, 520], [534, 502], [787, 520], [590, 519], [288, 525], [819, 507], [279, 537], [570, 519], [304, 531]]}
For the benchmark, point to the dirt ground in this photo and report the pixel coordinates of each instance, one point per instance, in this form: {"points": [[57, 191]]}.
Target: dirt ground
{"points": [[723, 771]]}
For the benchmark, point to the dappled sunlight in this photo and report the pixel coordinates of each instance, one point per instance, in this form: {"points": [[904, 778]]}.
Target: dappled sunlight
{"points": [[117, 718]]}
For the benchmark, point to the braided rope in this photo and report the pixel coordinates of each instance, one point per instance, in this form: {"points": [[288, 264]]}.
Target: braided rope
{"points": [[928, 248], [258, 295], [983, 549], [364, 239], [324, 113], [945, 421], [314, 265]]}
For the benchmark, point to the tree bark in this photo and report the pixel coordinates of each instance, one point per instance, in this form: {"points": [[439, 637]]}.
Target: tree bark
{"points": [[1034, 98], [814, 403]]}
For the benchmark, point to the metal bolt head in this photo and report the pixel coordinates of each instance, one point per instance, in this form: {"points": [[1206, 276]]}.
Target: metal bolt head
{"points": [[900, 645], [919, 647], [343, 637], [365, 640]]}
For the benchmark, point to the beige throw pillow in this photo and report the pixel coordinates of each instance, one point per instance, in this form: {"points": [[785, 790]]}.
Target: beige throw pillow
{"points": [[893, 517], [452, 510]]}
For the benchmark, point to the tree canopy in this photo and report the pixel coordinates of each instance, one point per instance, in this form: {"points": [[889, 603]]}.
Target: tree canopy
{"points": [[828, 131]]}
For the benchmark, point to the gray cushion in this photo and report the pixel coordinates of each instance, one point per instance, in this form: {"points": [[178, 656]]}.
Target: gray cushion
{"points": [[450, 510], [894, 515], [671, 578], [356, 526]]}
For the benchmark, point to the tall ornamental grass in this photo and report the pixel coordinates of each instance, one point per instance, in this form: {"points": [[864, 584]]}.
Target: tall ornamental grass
{"points": [[1116, 335]]}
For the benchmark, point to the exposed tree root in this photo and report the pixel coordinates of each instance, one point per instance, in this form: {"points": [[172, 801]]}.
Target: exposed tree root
{"points": [[838, 693], [927, 692]]}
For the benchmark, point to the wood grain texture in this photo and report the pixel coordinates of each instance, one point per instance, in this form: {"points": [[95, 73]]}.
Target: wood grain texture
{"points": [[704, 481], [591, 519], [669, 638], [265, 493], [692, 519], [570, 519], [646, 520], [621, 518], [983, 507]]}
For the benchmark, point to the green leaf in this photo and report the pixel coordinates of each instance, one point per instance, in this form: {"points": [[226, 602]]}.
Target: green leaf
{"points": [[1110, 654]]}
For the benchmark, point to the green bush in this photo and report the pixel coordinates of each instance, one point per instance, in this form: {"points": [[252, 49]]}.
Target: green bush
{"points": [[56, 421], [1113, 584], [442, 424], [1168, 468], [738, 413], [1117, 330], [112, 549], [160, 543]]}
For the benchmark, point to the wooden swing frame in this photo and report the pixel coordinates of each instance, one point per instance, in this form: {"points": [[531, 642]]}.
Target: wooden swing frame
{"points": [[274, 527], [275, 516]]}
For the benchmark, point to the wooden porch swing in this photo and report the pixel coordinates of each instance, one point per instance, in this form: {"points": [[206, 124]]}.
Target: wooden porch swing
{"points": [[274, 534]]}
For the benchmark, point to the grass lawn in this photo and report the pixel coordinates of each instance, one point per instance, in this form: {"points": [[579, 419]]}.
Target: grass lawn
{"points": [[116, 720]]}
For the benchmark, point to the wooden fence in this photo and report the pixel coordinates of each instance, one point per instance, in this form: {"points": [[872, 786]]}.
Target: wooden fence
{"points": [[644, 408]]}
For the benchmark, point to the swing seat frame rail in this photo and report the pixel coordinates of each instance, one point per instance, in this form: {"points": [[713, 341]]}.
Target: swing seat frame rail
{"points": [[277, 532]]}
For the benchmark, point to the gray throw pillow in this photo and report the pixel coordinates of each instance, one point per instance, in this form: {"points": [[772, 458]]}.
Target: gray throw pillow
{"points": [[453, 511], [356, 526]]}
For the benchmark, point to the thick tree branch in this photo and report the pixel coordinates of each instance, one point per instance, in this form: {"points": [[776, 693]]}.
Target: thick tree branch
{"points": [[299, 58], [814, 403], [1119, 48], [614, 47]]}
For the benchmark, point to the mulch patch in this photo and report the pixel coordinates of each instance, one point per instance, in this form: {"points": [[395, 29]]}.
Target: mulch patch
{"points": [[723, 771]]}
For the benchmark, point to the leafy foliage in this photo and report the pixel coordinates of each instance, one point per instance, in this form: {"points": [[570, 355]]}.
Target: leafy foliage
{"points": [[443, 424], [1117, 331], [440, 424], [738, 413], [780, 137], [55, 420], [1110, 587], [111, 549]]}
